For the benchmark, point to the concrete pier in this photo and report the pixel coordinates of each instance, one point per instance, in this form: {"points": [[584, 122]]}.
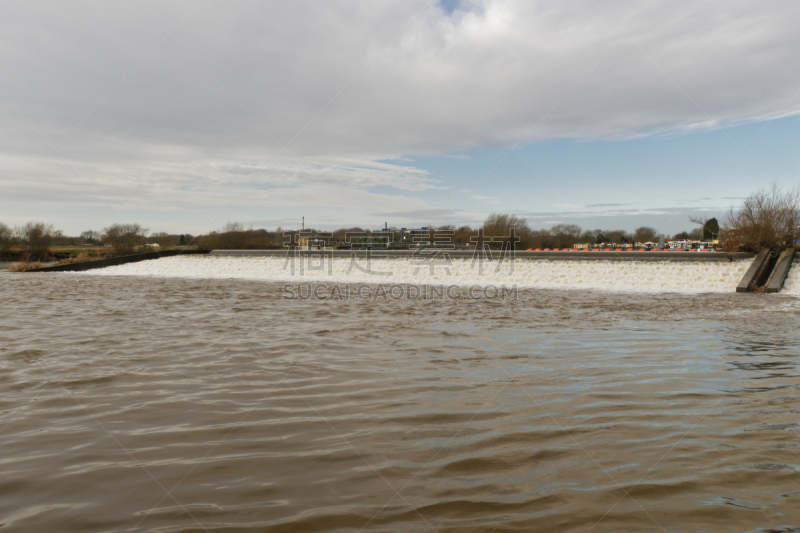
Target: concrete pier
{"points": [[756, 272], [768, 271], [780, 271]]}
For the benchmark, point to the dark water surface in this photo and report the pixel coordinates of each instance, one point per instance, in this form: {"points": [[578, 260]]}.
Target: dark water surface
{"points": [[145, 404]]}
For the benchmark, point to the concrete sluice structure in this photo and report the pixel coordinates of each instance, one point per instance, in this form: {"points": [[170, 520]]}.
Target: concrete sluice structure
{"points": [[781, 271], [768, 271], [655, 272]]}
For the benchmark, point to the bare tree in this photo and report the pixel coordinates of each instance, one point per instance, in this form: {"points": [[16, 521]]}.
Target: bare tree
{"points": [[37, 238], [767, 218], [163, 239], [499, 225], [589, 236], [645, 234], [232, 227], [565, 235], [91, 236], [232, 236], [6, 238], [709, 227], [125, 237], [618, 236]]}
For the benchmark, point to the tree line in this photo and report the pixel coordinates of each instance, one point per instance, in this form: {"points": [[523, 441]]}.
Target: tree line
{"points": [[767, 218], [34, 241]]}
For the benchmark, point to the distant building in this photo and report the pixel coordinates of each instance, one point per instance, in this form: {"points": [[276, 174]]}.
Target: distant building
{"points": [[314, 242]]}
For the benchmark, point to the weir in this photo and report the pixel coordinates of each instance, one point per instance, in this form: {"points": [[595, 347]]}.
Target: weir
{"points": [[768, 271], [628, 272]]}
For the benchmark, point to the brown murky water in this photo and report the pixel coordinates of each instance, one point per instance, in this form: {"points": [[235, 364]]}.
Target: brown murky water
{"points": [[146, 404]]}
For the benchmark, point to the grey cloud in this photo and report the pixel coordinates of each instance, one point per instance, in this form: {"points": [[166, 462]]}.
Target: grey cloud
{"points": [[611, 212], [286, 62], [210, 111], [668, 219], [419, 214]]}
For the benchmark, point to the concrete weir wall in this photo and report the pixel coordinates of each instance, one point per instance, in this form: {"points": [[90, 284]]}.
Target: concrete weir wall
{"points": [[561, 256], [113, 261]]}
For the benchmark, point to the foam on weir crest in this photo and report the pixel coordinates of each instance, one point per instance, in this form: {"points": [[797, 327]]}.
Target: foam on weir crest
{"points": [[792, 283], [638, 276]]}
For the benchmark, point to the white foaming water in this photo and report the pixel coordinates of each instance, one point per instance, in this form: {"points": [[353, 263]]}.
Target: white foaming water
{"points": [[792, 283], [639, 276]]}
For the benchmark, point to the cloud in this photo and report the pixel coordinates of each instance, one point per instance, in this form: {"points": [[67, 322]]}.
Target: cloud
{"points": [[660, 210], [435, 216], [196, 117], [485, 199], [192, 180], [665, 219]]}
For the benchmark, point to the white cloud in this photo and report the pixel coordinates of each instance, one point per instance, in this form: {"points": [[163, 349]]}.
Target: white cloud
{"points": [[485, 199]]}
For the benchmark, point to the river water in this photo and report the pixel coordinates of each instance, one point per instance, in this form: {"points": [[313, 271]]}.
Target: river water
{"points": [[178, 400]]}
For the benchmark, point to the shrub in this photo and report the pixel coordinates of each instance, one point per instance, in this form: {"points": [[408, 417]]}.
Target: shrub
{"points": [[22, 267], [80, 258]]}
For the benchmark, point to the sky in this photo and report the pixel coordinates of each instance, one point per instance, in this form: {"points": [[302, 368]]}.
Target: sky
{"points": [[184, 116]]}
